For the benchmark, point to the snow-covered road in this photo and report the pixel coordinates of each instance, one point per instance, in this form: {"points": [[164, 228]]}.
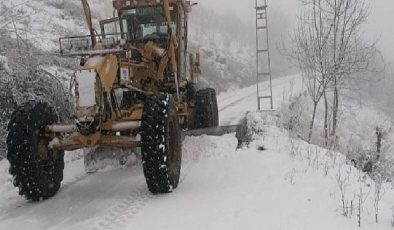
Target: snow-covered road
{"points": [[220, 188], [234, 104]]}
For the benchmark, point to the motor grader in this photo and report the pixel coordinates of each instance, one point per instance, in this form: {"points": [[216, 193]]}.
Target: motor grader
{"points": [[136, 88]]}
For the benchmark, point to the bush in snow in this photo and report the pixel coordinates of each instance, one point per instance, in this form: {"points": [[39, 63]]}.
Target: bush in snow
{"points": [[23, 78], [253, 126], [294, 116], [7, 102], [4, 65]]}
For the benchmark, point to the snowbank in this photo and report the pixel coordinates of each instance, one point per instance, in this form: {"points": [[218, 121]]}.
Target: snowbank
{"points": [[356, 132]]}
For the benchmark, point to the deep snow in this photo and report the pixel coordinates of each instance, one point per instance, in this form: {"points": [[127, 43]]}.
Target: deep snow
{"points": [[284, 187]]}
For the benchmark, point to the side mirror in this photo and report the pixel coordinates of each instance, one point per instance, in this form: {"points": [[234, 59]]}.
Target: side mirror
{"points": [[82, 62]]}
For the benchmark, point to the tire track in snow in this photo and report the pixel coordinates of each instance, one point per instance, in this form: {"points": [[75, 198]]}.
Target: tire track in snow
{"points": [[232, 104], [125, 210], [229, 103], [121, 214], [74, 181], [234, 118], [22, 202]]}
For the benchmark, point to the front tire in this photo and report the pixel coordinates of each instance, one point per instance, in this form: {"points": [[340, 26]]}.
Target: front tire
{"points": [[37, 170], [161, 144]]}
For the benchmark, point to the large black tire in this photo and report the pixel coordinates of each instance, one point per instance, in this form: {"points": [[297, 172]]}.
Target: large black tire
{"points": [[128, 100], [206, 110], [161, 144], [36, 170]]}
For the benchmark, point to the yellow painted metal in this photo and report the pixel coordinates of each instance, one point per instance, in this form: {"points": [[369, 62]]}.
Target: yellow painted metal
{"points": [[172, 47], [146, 76], [78, 141], [88, 17], [136, 113], [90, 140], [150, 51], [107, 69], [173, 43]]}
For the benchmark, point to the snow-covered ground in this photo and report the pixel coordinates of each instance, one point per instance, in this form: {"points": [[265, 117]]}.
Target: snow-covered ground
{"points": [[290, 186]]}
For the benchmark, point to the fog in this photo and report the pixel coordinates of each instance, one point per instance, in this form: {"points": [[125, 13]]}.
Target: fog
{"points": [[379, 27]]}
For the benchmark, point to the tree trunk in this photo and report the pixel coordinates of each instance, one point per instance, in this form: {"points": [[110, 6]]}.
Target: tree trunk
{"points": [[312, 122], [325, 119], [335, 109], [379, 135]]}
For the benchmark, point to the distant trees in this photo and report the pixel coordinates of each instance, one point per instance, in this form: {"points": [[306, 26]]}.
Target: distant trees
{"points": [[310, 49], [329, 50]]}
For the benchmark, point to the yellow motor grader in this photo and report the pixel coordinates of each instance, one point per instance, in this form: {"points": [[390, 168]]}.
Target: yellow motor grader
{"points": [[136, 88]]}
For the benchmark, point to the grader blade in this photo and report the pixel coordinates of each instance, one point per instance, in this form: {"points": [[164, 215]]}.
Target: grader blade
{"points": [[102, 157], [214, 131]]}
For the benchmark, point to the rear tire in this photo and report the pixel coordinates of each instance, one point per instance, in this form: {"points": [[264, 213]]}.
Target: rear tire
{"points": [[206, 112], [161, 145], [36, 169]]}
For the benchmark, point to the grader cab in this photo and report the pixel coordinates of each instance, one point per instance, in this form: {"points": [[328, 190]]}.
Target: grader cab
{"points": [[136, 88]]}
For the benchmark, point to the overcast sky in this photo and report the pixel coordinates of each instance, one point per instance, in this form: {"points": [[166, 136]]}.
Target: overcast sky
{"points": [[380, 24]]}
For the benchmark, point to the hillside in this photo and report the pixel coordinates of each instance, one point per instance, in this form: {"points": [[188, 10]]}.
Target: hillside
{"points": [[226, 44]]}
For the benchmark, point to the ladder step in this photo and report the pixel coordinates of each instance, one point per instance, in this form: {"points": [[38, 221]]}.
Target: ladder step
{"points": [[265, 97], [264, 74], [259, 8], [261, 27], [262, 51], [261, 16]]}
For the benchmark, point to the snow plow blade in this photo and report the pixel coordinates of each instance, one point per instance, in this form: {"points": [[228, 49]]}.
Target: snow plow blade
{"points": [[100, 158], [103, 157], [214, 131]]}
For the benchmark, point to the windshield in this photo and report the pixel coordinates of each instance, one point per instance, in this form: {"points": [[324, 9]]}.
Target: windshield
{"points": [[110, 32], [110, 27], [146, 23]]}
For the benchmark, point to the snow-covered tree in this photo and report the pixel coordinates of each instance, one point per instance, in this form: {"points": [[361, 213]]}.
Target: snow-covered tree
{"points": [[329, 49]]}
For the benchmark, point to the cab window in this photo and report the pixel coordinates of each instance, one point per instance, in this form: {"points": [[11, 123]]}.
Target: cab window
{"points": [[146, 23]]}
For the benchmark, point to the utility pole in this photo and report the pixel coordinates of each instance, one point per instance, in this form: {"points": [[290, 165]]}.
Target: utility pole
{"points": [[263, 60]]}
